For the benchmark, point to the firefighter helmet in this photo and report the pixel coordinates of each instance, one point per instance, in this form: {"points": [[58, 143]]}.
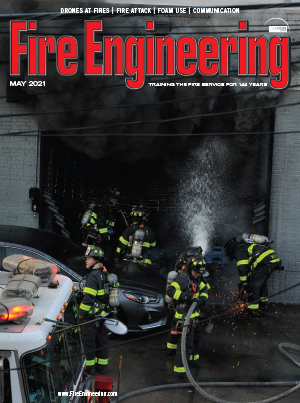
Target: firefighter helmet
{"points": [[137, 214], [200, 250], [114, 193], [229, 248], [95, 252], [198, 264], [193, 252]]}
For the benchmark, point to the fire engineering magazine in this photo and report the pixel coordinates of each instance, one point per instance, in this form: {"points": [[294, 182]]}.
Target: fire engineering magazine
{"points": [[174, 103]]}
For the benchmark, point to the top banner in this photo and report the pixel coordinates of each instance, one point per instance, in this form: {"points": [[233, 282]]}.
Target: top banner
{"points": [[151, 52]]}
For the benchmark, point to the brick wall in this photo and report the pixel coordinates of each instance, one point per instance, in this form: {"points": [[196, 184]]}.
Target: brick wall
{"points": [[19, 157], [284, 226]]}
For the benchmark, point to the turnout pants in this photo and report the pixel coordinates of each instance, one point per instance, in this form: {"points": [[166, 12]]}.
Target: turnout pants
{"points": [[172, 340], [259, 287], [193, 346], [93, 338]]}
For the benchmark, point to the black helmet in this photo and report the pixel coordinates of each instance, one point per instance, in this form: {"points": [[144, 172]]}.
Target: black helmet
{"points": [[193, 252], [198, 264], [137, 214], [95, 252], [114, 193], [200, 250], [229, 248]]}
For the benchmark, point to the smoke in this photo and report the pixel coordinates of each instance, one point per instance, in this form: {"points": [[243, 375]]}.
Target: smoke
{"points": [[113, 92], [19, 6]]}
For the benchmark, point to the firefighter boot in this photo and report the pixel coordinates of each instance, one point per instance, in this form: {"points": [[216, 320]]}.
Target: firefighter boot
{"points": [[181, 375], [264, 307], [196, 364], [90, 369], [101, 369]]}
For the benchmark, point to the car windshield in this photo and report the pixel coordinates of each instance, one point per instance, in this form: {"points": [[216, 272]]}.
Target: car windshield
{"points": [[77, 264], [44, 380]]}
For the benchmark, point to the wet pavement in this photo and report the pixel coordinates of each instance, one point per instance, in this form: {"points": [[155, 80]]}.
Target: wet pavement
{"points": [[237, 350]]}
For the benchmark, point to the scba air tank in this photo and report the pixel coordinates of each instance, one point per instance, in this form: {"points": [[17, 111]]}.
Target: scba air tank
{"points": [[254, 238], [137, 246], [114, 297], [87, 215], [171, 277]]}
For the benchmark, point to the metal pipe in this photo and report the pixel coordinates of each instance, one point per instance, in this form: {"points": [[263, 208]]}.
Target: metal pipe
{"points": [[259, 207], [258, 219]]}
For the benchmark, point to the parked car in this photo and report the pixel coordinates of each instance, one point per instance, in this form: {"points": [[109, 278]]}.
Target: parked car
{"points": [[216, 260], [142, 290]]}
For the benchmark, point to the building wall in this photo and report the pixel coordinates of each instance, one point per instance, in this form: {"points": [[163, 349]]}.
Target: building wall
{"points": [[284, 226], [19, 163]]}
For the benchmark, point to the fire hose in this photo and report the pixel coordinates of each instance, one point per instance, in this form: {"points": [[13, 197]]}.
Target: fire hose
{"points": [[213, 398], [209, 397]]}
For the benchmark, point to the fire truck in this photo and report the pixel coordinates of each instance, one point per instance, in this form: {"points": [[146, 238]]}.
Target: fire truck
{"points": [[37, 363]]}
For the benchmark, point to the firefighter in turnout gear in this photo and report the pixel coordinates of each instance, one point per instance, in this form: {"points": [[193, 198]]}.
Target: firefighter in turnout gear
{"points": [[136, 240], [107, 222], [255, 262], [183, 261], [186, 257], [189, 287], [95, 334]]}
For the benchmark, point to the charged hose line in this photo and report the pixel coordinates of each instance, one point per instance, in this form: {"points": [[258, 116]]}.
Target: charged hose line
{"points": [[144, 337], [203, 384], [291, 346], [201, 391], [294, 384]]}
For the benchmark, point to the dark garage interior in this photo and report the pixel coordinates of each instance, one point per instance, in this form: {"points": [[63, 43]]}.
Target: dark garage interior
{"points": [[184, 180]]}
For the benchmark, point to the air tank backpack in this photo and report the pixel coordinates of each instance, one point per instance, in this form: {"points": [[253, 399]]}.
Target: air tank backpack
{"points": [[136, 241]]}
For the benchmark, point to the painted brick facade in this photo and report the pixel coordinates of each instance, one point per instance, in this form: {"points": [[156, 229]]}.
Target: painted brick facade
{"points": [[284, 226], [19, 163]]}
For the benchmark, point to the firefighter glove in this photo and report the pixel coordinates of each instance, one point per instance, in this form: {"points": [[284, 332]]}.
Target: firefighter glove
{"points": [[187, 296], [110, 230], [200, 302], [246, 292], [208, 327]]}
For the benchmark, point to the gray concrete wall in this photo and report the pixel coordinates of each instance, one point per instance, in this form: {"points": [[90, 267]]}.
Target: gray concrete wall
{"points": [[19, 163], [284, 226]]}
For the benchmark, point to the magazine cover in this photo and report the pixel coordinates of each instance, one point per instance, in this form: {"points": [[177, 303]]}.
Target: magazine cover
{"points": [[149, 201]]}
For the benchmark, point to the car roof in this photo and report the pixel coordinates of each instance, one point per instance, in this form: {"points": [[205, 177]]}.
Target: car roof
{"points": [[68, 253], [56, 246]]}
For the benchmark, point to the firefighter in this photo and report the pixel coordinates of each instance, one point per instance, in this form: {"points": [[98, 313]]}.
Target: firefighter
{"points": [[255, 263], [189, 286], [95, 334], [136, 240], [107, 221], [182, 262], [186, 257]]}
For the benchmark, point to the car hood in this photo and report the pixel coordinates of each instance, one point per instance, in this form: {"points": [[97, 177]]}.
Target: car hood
{"points": [[133, 275]]}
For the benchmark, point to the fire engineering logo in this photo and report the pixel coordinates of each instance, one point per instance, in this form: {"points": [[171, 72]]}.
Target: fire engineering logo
{"points": [[278, 27], [136, 57]]}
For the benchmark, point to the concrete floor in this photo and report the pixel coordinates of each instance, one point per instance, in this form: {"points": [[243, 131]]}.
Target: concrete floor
{"points": [[237, 350]]}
